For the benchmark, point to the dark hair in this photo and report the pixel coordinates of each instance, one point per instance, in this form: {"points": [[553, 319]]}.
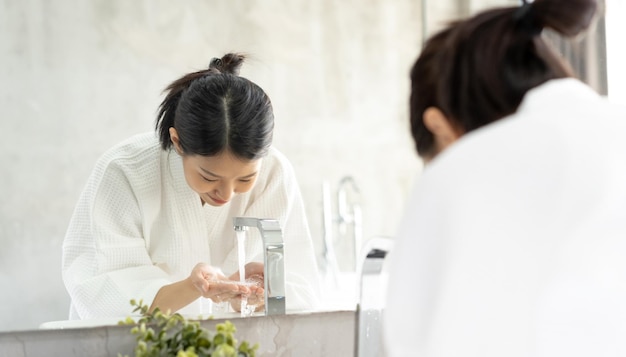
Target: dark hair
{"points": [[215, 110], [478, 70]]}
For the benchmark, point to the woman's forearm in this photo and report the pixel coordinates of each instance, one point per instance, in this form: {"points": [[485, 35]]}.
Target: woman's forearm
{"points": [[175, 296]]}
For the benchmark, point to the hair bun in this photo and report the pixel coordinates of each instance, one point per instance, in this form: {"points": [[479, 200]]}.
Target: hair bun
{"points": [[567, 17], [230, 63]]}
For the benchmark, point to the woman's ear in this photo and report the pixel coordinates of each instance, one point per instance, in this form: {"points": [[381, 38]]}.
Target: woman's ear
{"points": [[443, 130], [175, 141]]}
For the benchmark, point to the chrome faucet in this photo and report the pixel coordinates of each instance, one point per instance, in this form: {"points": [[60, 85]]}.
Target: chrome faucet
{"points": [[371, 306], [347, 223], [349, 213], [273, 260]]}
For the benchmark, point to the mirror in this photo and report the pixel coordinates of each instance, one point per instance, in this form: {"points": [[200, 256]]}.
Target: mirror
{"points": [[78, 78]]}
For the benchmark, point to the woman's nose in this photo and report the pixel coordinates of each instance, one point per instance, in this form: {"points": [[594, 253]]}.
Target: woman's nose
{"points": [[225, 191]]}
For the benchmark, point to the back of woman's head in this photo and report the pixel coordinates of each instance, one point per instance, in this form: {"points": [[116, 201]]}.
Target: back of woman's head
{"points": [[478, 70], [215, 110]]}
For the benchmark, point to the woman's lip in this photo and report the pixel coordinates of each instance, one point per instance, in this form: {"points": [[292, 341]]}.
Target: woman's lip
{"points": [[221, 202]]}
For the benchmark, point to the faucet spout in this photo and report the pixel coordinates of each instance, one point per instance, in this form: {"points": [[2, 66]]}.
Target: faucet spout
{"points": [[273, 260]]}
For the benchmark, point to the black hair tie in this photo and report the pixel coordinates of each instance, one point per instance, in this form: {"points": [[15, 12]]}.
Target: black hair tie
{"points": [[216, 63]]}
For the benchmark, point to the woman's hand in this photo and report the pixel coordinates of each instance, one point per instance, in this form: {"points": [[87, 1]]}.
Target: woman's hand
{"points": [[212, 284], [254, 277]]}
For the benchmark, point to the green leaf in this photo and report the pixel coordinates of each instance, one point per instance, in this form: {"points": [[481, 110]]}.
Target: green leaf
{"points": [[224, 351], [164, 334]]}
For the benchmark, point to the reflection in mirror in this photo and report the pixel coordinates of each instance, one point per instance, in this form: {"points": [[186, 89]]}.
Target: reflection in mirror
{"points": [[80, 77]]}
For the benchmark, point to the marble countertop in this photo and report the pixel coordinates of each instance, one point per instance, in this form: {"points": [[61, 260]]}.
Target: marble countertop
{"points": [[304, 334]]}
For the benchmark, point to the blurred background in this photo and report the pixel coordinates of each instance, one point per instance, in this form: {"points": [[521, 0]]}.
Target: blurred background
{"points": [[77, 77]]}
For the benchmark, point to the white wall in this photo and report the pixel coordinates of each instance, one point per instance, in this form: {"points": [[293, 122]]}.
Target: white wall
{"points": [[78, 76], [616, 53]]}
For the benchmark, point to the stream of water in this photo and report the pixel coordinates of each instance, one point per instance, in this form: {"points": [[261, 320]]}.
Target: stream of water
{"points": [[241, 253]]}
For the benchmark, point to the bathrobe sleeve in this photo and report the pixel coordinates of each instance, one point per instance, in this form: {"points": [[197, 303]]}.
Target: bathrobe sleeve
{"points": [[105, 260]]}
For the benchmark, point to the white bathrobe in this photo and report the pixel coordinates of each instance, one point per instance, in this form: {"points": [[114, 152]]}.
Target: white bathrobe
{"points": [[138, 226], [514, 240]]}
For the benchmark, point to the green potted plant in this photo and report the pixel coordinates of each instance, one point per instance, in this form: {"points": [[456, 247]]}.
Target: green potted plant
{"points": [[163, 334]]}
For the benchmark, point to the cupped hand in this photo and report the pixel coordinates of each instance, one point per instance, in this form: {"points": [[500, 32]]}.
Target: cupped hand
{"points": [[254, 279], [212, 284]]}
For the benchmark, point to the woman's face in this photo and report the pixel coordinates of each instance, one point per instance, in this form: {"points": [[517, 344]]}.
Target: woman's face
{"points": [[217, 179]]}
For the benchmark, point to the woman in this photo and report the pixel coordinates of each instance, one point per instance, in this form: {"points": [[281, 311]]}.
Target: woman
{"points": [[514, 239], [155, 219]]}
